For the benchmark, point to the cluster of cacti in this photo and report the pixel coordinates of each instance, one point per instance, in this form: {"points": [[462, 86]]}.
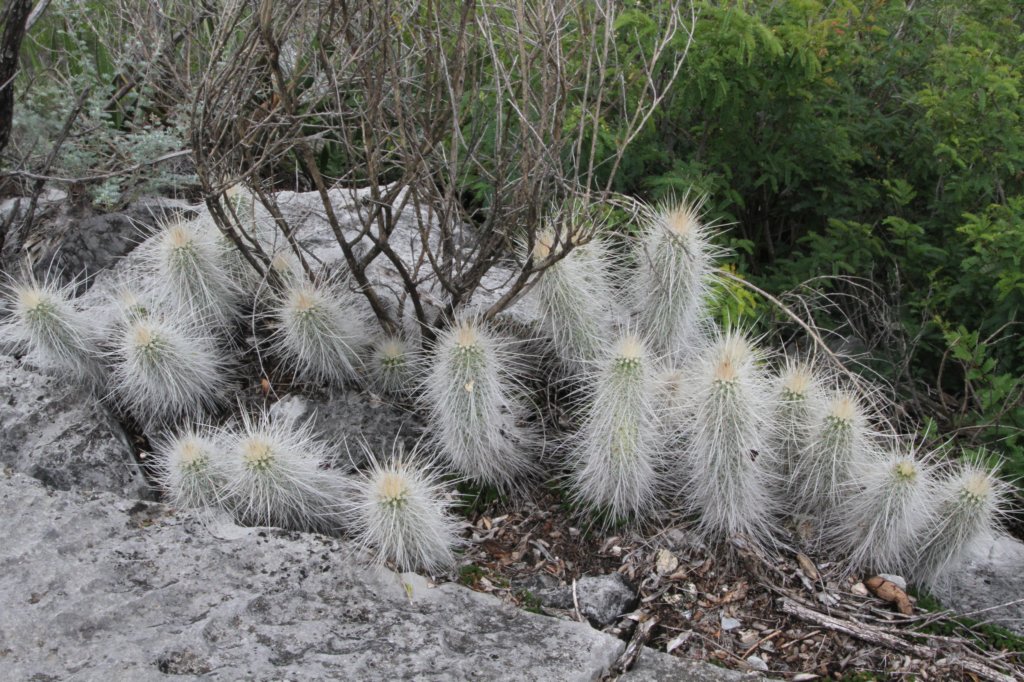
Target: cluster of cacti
{"points": [[672, 412]]}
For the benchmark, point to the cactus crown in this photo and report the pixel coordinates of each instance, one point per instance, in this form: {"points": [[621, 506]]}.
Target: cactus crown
{"points": [[257, 453], [392, 490]]}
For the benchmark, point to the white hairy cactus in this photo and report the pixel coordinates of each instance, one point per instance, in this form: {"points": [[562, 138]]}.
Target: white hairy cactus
{"points": [[841, 446], [46, 321], [401, 509], [318, 331], [186, 467], [394, 363], [728, 450], [971, 500], [675, 262], [166, 368], [192, 272], [575, 297], [879, 526], [618, 455], [473, 413], [798, 400], [273, 476]]}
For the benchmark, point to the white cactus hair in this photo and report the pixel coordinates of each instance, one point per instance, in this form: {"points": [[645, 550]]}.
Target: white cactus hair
{"points": [[972, 500], [273, 475], [191, 267], [474, 415], [45, 320], [728, 453], [318, 330], [798, 400], [618, 456], [187, 468], [675, 265], [402, 510], [879, 526], [842, 443], [575, 293], [394, 365], [166, 368]]}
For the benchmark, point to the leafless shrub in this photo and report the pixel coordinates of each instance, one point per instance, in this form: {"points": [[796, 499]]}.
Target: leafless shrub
{"points": [[477, 119]]}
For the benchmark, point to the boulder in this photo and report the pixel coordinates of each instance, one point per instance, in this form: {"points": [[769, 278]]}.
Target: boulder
{"points": [[988, 581], [98, 587], [54, 431]]}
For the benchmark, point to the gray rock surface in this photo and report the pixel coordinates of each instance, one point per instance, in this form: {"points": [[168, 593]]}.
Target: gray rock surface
{"points": [[992, 576], [52, 430], [352, 417], [602, 598], [95, 587]]}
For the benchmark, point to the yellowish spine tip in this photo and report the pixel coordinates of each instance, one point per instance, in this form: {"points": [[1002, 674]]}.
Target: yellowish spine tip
{"points": [[392, 490], [843, 409], [467, 336], [30, 298], [191, 455], [977, 488], [906, 470], [798, 382], [179, 236], [257, 453], [682, 220]]}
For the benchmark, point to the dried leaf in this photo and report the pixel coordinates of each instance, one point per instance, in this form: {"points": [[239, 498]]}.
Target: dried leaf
{"points": [[890, 592], [677, 641], [807, 566], [665, 562]]}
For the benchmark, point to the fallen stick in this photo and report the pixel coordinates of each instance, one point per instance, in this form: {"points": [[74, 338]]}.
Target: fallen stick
{"points": [[869, 633]]}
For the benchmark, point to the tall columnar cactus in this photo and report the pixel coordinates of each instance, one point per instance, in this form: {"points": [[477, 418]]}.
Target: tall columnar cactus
{"points": [[841, 446], [729, 449], [575, 296], [880, 524], [166, 368], [273, 476], [675, 262], [318, 331], [474, 417], [970, 502], [401, 509], [192, 271], [618, 456], [45, 320], [187, 469]]}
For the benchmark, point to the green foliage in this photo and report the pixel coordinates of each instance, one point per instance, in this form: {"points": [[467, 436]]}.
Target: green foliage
{"points": [[859, 148]]}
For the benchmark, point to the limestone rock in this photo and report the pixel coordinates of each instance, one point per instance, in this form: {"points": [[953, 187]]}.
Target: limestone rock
{"points": [[52, 430], [993, 575]]}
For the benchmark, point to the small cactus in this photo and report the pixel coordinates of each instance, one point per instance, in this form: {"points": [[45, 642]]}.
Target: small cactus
{"points": [[971, 501], [879, 525], [187, 469], [841, 446], [474, 416], [675, 262], [46, 321], [618, 455], [575, 297], [191, 269], [318, 331], [394, 365], [273, 476], [166, 369], [402, 510], [728, 451]]}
